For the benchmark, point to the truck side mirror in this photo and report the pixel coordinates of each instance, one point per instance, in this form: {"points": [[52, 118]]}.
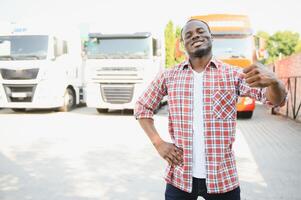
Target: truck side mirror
{"points": [[260, 48], [156, 47], [158, 52]]}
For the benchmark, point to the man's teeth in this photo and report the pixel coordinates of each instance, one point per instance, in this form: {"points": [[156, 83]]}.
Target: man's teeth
{"points": [[197, 43]]}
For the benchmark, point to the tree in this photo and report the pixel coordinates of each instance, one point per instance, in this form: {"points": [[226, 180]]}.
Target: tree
{"points": [[179, 49], [174, 49], [298, 47], [282, 43], [169, 44], [263, 35]]}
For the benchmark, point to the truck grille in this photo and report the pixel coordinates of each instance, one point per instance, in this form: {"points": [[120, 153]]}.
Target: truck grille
{"points": [[117, 94], [24, 74], [119, 69], [19, 93], [117, 74]]}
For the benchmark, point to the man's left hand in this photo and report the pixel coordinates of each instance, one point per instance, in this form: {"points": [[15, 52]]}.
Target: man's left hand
{"points": [[257, 75]]}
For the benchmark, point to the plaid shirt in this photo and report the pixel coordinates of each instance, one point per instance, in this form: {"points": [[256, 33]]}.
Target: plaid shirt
{"points": [[223, 84]]}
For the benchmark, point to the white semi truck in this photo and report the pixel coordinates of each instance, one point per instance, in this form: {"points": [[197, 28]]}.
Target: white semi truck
{"points": [[40, 69], [118, 67]]}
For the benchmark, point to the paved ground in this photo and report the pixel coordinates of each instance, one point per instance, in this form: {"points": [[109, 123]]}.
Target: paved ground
{"points": [[269, 157], [86, 156]]}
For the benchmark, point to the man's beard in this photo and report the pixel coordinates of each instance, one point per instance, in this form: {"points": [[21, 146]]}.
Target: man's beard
{"points": [[199, 53]]}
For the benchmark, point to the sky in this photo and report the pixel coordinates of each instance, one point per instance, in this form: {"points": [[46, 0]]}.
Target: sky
{"points": [[120, 15]]}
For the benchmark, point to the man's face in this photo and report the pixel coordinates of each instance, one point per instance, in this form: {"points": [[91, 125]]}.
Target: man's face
{"points": [[197, 39]]}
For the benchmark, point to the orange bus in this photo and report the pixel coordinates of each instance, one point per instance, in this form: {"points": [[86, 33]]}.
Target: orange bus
{"points": [[233, 42]]}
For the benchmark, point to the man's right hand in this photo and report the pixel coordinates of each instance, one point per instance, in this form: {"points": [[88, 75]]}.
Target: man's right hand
{"points": [[170, 152]]}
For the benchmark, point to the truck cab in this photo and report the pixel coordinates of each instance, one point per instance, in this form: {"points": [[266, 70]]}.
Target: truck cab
{"points": [[39, 70], [118, 67]]}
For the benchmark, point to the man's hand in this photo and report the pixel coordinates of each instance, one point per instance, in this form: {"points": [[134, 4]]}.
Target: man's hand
{"points": [[257, 75], [169, 152]]}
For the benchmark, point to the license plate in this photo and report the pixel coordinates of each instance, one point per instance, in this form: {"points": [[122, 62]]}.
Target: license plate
{"points": [[19, 94]]}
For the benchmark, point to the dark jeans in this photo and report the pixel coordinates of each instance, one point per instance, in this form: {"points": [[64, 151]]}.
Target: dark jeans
{"points": [[199, 189]]}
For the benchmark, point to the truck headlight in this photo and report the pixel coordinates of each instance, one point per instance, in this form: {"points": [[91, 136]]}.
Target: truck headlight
{"points": [[248, 101]]}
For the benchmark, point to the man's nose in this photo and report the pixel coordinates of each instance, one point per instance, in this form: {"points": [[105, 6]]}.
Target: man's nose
{"points": [[195, 36]]}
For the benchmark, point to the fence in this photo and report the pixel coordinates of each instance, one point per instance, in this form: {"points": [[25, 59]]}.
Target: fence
{"points": [[289, 71]]}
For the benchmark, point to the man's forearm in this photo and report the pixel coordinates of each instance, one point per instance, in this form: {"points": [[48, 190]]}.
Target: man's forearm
{"points": [[276, 93], [150, 130]]}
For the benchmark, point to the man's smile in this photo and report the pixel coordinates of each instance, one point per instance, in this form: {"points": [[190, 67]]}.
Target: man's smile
{"points": [[197, 43]]}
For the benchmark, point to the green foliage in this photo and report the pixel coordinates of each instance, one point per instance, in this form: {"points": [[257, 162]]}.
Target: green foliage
{"points": [[172, 37], [178, 32], [298, 47], [280, 44], [169, 44], [283, 43], [263, 35]]}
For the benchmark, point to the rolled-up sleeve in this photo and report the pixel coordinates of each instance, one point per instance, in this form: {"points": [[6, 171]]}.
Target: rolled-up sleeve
{"points": [[151, 97]]}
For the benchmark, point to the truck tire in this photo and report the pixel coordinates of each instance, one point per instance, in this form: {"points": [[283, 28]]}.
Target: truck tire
{"points": [[102, 110], [245, 115], [19, 110], [69, 101]]}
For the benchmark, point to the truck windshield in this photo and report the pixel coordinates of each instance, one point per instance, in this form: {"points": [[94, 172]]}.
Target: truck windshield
{"points": [[119, 48], [232, 47], [23, 47]]}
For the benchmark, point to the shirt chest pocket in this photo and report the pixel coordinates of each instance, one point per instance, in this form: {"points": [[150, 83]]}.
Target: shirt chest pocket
{"points": [[224, 104]]}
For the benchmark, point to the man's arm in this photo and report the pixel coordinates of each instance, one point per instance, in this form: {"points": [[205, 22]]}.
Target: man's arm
{"points": [[276, 93], [151, 98], [258, 76], [144, 111], [168, 151]]}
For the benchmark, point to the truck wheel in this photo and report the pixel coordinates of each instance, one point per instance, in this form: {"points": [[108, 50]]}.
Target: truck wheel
{"points": [[69, 101], [245, 115], [19, 109], [102, 110]]}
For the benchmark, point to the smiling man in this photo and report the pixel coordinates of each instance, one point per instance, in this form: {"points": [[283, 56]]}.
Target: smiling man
{"points": [[202, 94]]}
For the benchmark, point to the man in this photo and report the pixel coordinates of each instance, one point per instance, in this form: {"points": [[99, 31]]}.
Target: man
{"points": [[202, 94]]}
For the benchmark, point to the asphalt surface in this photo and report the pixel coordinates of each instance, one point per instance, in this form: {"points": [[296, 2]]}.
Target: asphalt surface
{"points": [[83, 155]]}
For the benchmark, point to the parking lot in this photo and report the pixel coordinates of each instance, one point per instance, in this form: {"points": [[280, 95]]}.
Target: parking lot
{"points": [[84, 155]]}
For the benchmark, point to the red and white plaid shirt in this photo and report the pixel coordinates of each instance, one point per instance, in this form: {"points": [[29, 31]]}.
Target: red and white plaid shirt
{"points": [[222, 86]]}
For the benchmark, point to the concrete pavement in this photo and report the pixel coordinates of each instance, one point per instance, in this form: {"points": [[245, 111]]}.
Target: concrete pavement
{"points": [[86, 156]]}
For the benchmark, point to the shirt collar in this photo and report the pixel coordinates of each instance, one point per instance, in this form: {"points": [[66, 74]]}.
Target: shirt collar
{"points": [[214, 63]]}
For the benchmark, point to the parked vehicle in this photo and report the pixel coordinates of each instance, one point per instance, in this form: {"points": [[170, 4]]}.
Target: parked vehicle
{"points": [[234, 43], [40, 69], [119, 67]]}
